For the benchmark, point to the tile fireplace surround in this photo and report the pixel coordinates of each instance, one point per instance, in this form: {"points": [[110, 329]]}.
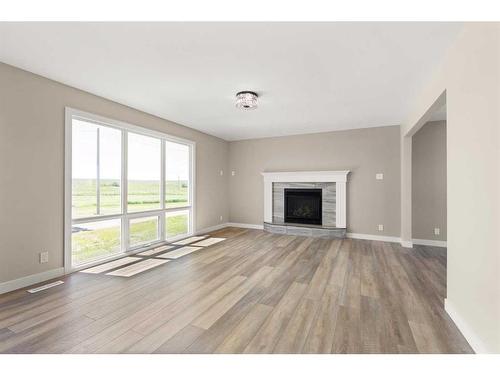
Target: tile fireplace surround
{"points": [[333, 185]]}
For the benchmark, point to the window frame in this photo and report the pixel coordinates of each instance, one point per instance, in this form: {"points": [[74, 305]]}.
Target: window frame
{"points": [[125, 216]]}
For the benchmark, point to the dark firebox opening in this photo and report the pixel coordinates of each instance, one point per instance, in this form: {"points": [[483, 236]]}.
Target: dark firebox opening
{"points": [[303, 206]]}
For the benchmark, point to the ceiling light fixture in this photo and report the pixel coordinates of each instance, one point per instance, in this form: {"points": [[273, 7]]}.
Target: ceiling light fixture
{"points": [[246, 100]]}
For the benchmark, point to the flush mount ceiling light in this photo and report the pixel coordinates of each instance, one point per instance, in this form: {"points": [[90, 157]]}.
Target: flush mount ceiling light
{"points": [[246, 100]]}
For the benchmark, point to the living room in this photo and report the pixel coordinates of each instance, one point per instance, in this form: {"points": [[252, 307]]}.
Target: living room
{"points": [[249, 187]]}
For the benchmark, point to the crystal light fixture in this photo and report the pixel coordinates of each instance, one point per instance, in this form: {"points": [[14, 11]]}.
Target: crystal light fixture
{"points": [[246, 100]]}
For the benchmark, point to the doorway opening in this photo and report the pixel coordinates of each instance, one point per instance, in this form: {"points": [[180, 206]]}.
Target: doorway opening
{"points": [[429, 174]]}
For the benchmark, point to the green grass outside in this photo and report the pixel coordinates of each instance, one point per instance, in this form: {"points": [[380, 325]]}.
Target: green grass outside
{"points": [[143, 195], [143, 231], [94, 244], [176, 225]]}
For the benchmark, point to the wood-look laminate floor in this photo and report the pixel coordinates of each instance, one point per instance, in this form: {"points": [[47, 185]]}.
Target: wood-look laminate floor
{"points": [[252, 292]]}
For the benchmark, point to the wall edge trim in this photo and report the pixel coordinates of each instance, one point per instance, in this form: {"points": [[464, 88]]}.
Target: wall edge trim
{"points": [[372, 237], [22, 282], [434, 243], [245, 225], [472, 338], [211, 229]]}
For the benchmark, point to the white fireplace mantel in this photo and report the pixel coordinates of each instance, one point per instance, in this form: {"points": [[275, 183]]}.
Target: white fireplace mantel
{"points": [[339, 177]]}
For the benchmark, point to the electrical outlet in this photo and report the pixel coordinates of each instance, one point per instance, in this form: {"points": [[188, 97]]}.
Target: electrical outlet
{"points": [[220, 218], [221, 172], [437, 231], [233, 173], [381, 227], [379, 176], [44, 257]]}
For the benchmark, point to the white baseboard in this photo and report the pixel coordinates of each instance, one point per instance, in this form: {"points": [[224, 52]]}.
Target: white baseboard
{"points": [[372, 237], [434, 243], [359, 236], [244, 225], [211, 229], [22, 282], [474, 341], [407, 244]]}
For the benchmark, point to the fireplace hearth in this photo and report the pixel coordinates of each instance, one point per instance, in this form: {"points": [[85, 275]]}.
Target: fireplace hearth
{"points": [[303, 206]]}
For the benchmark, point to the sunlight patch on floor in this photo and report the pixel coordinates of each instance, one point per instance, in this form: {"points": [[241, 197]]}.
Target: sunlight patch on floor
{"points": [[189, 240], [156, 250], [180, 252], [209, 241], [110, 265], [136, 268], [145, 260]]}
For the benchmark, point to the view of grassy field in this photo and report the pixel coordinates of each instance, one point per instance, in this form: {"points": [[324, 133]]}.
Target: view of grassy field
{"points": [[143, 230], [96, 240], [92, 241], [176, 225], [142, 196]]}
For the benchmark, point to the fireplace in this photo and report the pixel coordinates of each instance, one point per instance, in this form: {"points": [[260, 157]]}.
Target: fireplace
{"points": [[303, 206], [322, 192]]}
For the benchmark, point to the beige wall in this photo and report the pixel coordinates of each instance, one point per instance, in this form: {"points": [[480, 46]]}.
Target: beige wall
{"points": [[365, 152], [32, 160], [429, 181], [470, 75]]}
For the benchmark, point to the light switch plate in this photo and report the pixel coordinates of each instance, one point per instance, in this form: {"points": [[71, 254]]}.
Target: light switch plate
{"points": [[379, 176], [233, 173], [437, 231], [381, 227]]}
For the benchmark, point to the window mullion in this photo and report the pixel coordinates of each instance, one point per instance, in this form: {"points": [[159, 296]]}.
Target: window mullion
{"points": [[161, 221], [191, 189], [124, 189], [98, 173], [162, 175]]}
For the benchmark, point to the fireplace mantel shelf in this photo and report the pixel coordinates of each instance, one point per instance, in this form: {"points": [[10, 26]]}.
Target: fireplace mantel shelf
{"points": [[306, 176], [339, 177]]}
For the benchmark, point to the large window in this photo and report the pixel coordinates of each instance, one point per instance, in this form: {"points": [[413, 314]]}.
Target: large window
{"points": [[126, 187]]}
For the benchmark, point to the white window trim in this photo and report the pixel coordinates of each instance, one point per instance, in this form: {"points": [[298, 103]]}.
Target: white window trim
{"points": [[70, 114]]}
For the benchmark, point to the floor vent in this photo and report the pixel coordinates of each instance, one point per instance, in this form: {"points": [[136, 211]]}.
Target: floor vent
{"points": [[46, 286]]}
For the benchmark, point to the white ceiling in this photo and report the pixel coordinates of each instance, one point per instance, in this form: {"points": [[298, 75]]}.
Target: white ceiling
{"points": [[311, 77]]}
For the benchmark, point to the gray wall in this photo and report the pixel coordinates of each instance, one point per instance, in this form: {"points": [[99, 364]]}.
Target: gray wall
{"points": [[429, 181], [364, 151], [32, 160]]}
